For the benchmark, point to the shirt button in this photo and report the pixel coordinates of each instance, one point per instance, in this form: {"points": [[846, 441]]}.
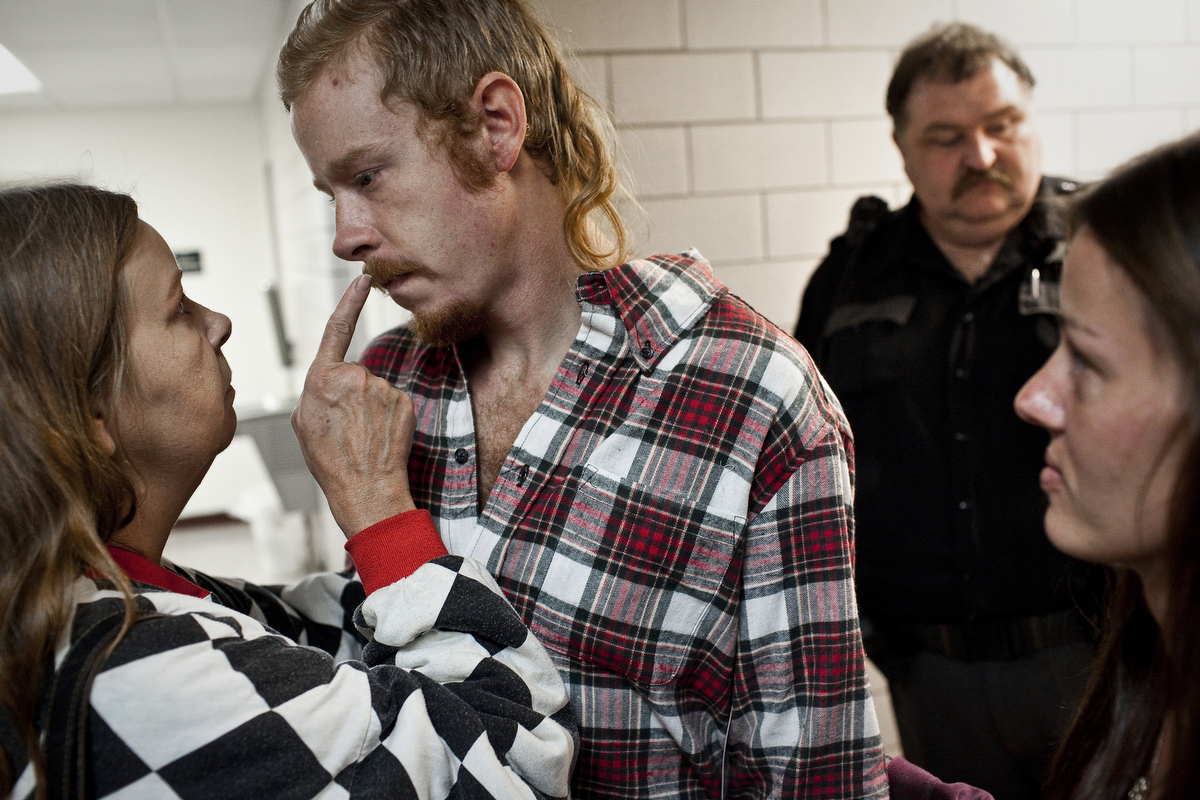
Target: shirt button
{"points": [[969, 316], [647, 350], [966, 576], [461, 455], [963, 505], [960, 437], [960, 373]]}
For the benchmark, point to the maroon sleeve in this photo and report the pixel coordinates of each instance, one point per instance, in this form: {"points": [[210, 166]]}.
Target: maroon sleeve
{"points": [[910, 782]]}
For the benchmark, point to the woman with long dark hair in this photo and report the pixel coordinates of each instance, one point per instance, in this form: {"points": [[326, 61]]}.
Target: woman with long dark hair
{"points": [[1120, 397], [1121, 400], [123, 674]]}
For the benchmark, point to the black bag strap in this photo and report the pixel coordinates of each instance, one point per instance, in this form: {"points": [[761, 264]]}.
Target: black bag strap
{"points": [[67, 749]]}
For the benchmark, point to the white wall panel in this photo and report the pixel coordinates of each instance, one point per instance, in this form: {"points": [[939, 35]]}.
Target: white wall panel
{"points": [[860, 23], [825, 83], [863, 151], [1109, 138], [753, 23], [1132, 22], [683, 88], [613, 25], [1023, 22], [1083, 77], [721, 228], [1167, 75], [757, 156], [656, 158]]}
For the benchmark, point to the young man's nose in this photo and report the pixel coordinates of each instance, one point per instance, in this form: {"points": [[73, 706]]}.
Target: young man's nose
{"points": [[355, 237]]}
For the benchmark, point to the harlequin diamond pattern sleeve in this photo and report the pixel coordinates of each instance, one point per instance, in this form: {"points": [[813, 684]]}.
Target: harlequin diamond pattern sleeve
{"points": [[317, 610], [454, 698]]}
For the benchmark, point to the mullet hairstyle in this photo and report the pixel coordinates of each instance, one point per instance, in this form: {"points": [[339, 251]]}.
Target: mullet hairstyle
{"points": [[432, 54], [949, 53], [1146, 216], [63, 362]]}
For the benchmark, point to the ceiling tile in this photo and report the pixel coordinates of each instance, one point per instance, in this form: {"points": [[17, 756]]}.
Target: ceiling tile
{"points": [[23, 102], [61, 22], [97, 52], [244, 62], [200, 21], [98, 75], [216, 90], [219, 72]]}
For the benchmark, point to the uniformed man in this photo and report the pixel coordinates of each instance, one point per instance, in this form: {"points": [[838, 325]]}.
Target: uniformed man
{"points": [[926, 321]]}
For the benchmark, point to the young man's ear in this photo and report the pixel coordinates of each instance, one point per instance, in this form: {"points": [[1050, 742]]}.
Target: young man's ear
{"points": [[103, 435], [502, 106]]}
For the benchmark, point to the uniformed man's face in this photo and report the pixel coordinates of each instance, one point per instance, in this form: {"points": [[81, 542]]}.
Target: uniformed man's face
{"points": [[972, 153]]}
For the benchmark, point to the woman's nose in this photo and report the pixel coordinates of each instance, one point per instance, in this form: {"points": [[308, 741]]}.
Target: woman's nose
{"points": [[218, 326], [1037, 402]]}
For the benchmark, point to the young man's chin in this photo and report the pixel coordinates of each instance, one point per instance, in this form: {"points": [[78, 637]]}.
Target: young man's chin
{"points": [[456, 323]]}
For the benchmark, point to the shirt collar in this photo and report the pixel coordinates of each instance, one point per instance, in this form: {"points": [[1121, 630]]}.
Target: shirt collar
{"points": [[1030, 241], [658, 299], [141, 569]]}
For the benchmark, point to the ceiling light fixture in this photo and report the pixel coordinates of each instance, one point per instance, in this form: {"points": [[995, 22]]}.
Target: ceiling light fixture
{"points": [[14, 76]]}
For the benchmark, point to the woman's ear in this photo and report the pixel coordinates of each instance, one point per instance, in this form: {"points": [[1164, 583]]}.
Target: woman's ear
{"points": [[103, 435], [502, 106]]}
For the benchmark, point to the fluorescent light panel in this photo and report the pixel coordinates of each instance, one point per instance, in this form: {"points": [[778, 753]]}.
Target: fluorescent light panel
{"points": [[15, 77]]}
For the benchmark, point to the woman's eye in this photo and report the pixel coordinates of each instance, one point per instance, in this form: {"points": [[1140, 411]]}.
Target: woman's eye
{"points": [[366, 178]]}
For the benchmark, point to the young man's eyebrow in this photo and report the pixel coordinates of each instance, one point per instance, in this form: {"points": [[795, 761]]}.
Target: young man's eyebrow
{"points": [[345, 162]]}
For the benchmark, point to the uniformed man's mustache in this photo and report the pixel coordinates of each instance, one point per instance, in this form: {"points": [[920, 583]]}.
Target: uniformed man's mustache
{"points": [[385, 270], [976, 177]]}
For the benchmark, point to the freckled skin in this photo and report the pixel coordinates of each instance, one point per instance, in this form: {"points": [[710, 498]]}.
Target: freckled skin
{"points": [[177, 414], [1111, 397]]}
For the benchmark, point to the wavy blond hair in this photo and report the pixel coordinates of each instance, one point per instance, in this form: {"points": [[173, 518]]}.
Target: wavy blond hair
{"points": [[432, 54]]}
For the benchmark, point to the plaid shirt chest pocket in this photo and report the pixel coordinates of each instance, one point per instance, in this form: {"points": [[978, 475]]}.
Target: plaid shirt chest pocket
{"points": [[636, 582]]}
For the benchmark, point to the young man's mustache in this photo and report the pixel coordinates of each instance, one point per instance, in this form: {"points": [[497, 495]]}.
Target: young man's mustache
{"points": [[385, 270], [976, 177]]}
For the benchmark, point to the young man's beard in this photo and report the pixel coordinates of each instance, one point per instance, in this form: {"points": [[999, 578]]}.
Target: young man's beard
{"points": [[457, 323]]}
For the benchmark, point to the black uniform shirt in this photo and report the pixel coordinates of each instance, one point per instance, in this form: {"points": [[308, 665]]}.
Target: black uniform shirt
{"points": [[949, 513]]}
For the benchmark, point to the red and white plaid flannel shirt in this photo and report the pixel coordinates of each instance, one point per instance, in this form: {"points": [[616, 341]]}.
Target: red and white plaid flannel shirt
{"points": [[674, 524]]}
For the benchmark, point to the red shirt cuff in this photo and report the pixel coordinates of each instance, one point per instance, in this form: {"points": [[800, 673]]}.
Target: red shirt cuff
{"points": [[394, 549]]}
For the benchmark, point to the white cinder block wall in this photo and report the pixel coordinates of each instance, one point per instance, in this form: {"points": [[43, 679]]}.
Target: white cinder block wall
{"points": [[748, 127]]}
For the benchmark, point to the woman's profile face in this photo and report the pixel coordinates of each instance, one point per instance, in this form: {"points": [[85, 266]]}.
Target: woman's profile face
{"points": [[1111, 397], [178, 414]]}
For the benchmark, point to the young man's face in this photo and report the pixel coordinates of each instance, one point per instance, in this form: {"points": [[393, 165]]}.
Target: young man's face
{"points": [[435, 246], [972, 154]]}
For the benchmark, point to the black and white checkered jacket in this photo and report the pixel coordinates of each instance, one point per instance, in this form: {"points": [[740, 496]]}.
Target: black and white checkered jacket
{"points": [[430, 687]]}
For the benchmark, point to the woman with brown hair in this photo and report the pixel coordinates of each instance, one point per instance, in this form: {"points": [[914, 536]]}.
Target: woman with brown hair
{"points": [[1120, 397], [121, 673], [1121, 400]]}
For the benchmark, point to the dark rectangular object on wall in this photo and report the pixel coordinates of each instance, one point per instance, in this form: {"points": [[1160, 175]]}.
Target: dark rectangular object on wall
{"points": [[188, 262]]}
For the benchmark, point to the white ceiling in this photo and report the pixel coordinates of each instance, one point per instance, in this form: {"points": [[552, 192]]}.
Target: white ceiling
{"points": [[96, 53]]}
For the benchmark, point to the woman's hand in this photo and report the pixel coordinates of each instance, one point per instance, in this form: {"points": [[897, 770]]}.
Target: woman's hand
{"points": [[355, 429]]}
